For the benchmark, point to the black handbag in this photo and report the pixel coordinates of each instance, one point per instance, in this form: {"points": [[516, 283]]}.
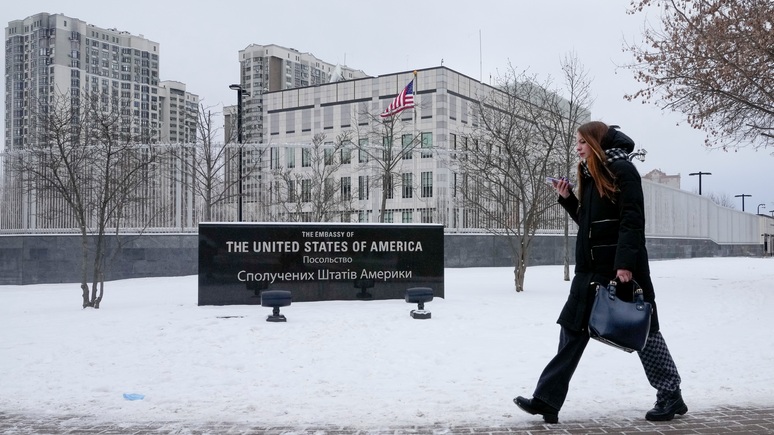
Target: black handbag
{"points": [[623, 325]]}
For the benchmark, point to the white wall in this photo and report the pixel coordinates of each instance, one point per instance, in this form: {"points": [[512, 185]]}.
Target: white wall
{"points": [[672, 212]]}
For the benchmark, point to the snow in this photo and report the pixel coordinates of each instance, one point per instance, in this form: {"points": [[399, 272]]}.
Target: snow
{"points": [[368, 363]]}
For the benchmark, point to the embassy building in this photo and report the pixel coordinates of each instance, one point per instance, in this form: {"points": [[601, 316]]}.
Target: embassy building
{"points": [[343, 119]]}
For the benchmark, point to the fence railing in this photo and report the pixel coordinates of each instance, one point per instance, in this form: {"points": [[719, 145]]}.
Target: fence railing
{"points": [[172, 200]]}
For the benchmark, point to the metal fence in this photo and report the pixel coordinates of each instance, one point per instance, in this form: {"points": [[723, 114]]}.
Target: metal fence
{"points": [[171, 200]]}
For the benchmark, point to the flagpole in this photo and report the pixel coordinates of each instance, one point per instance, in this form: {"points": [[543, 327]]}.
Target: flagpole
{"points": [[416, 162], [406, 100], [415, 101]]}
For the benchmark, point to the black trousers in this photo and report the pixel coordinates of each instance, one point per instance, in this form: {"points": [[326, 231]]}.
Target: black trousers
{"points": [[554, 382]]}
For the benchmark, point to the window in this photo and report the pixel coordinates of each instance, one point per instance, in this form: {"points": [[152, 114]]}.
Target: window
{"points": [[290, 157], [408, 189], [306, 157], [346, 188], [306, 190], [406, 141], [329, 189], [346, 155], [276, 193], [291, 190], [274, 158], [427, 145], [388, 217], [426, 216], [407, 217], [362, 187], [390, 186], [386, 149], [362, 153], [328, 153], [427, 184]]}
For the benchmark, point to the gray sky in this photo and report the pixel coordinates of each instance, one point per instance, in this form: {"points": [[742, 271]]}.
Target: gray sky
{"points": [[478, 39]]}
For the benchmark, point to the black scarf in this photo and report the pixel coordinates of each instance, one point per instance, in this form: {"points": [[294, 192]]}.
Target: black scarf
{"points": [[612, 154]]}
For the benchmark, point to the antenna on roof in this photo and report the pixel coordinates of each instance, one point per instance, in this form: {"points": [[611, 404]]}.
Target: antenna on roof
{"points": [[480, 59]]}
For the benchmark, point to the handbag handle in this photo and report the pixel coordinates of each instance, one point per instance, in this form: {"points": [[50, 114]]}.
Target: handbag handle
{"points": [[637, 293]]}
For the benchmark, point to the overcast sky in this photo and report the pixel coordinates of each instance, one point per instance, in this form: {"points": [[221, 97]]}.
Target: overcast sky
{"points": [[200, 43]]}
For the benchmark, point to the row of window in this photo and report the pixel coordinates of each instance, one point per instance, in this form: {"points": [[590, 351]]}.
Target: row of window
{"points": [[345, 153], [345, 188], [406, 216]]}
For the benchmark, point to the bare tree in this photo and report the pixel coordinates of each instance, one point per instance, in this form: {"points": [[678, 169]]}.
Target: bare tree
{"points": [[386, 146], [571, 114], [211, 168], [722, 199], [313, 193], [85, 165], [712, 61], [504, 162]]}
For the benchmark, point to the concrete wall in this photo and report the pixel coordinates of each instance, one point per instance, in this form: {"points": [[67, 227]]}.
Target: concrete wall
{"points": [[37, 259], [677, 214], [479, 250]]}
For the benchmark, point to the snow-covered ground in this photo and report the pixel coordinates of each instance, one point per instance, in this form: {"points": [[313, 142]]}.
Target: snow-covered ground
{"points": [[368, 362]]}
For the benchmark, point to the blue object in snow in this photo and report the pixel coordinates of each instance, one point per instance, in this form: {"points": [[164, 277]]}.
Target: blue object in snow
{"points": [[133, 396]]}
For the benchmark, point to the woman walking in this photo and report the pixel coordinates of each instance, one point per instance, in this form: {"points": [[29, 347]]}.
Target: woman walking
{"points": [[610, 244]]}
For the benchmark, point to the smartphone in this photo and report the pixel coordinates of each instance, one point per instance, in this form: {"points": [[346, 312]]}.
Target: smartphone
{"points": [[550, 180]]}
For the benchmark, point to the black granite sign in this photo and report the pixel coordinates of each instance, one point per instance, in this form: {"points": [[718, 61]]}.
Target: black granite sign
{"points": [[317, 261]]}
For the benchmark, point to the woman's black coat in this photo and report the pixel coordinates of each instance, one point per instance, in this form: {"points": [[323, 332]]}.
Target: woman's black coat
{"points": [[611, 236]]}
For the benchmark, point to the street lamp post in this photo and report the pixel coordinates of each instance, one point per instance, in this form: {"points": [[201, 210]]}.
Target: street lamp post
{"points": [[743, 195], [639, 155], [759, 208], [240, 94], [700, 174]]}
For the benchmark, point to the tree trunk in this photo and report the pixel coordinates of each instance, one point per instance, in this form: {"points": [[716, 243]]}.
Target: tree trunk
{"points": [[385, 187], [84, 267], [85, 294], [97, 295], [520, 270], [98, 275]]}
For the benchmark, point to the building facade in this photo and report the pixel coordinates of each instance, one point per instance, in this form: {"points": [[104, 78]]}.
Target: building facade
{"points": [[48, 56], [179, 111], [422, 187], [658, 176], [269, 68]]}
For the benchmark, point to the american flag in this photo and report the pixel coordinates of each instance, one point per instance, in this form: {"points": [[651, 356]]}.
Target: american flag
{"points": [[404, 100]]}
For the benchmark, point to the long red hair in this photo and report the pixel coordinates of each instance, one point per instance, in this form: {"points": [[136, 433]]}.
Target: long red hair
{"points": [[593, 132]]}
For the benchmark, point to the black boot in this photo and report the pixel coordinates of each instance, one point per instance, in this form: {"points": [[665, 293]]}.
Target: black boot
{"points": [[537, 406], [667, 407]]}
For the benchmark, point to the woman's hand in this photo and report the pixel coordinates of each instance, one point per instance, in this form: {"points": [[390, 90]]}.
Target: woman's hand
{"points": [[562, 187], [623, 275]]}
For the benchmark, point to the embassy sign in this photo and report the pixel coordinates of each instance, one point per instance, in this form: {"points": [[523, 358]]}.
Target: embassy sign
{"points": [[317, 261]]}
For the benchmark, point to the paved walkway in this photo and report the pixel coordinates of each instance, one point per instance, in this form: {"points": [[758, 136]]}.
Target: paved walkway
{"points": [[727, 420]]}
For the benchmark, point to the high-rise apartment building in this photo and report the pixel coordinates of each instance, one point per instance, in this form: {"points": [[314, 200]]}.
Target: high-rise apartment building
{"points": [[59, 64], [179, 113], [268, 68], [52, 56]]}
